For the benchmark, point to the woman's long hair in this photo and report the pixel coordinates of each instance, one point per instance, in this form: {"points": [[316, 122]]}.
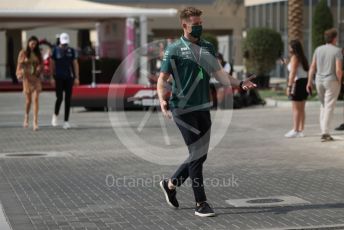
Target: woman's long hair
{"points": [[297, 50], [36, 50], [221, 59]]}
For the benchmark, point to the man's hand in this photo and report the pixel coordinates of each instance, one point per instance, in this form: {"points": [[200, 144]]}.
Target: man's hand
{"points": [[52, 82], [287, 92], [76, 82], [248, 84], [164, 109], [309, 88]]}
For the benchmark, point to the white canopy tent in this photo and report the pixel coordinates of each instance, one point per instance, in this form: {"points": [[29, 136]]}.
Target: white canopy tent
{"points": [[21, 13], [28, 14]]}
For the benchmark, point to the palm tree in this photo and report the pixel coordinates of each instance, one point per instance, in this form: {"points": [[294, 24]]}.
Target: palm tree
{"points": [[295, 20]]}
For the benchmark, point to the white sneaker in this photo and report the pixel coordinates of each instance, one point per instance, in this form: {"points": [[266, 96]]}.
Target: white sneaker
{"points": [[54, 121], [291, 134], [66, 125], [300, 134]]}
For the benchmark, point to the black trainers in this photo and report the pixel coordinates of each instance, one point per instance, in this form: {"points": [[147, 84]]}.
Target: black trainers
{"points": [[170, 195], [326, 138], [340, 128], [204, 210]]}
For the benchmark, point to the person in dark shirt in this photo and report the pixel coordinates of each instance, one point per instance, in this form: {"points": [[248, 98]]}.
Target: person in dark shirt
{"points": [[65, 70], [191, 62]]}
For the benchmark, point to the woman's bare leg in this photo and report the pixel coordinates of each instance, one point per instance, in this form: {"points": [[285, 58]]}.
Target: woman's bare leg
{"points": [[298, 116], [295, 116], [35, 109], [28, 99], [302, 115]]}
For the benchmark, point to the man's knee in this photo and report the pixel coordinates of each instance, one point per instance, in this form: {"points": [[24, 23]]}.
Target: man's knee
{"points": [[197, 162]]}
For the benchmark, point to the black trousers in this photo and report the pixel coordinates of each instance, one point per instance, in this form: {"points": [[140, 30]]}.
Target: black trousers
{"points": [[195, 128], [63, 85]]}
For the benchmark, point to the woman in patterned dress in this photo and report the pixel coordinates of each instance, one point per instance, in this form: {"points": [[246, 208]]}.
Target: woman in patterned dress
{"points": [[29, 70]]}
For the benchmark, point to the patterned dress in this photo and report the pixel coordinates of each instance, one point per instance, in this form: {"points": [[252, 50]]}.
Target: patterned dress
{"points": [[30, 70]]}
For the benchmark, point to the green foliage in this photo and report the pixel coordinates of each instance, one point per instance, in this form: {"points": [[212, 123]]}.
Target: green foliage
{"points": [[262, 47], [279, 95], [322, 21], [212, 39]]}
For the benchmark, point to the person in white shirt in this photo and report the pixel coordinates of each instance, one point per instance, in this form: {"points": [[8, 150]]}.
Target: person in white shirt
{"points": [[327, 65], [296, 89]]}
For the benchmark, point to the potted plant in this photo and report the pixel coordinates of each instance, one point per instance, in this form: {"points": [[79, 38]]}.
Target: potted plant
{"points": [[261, 48]]}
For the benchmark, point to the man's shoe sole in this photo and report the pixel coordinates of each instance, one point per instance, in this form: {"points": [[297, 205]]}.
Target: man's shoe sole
{"points": [[166, 196], [327, 139], [204, 215]]}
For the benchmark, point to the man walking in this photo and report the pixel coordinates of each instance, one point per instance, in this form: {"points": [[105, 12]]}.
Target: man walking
{"points": [[65, 68], [191, 61], [327, 65]]}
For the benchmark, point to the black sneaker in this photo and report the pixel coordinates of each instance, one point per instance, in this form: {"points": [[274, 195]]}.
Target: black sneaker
{"points": [[340, 128], [204, 210], [170, 195], [326, 138]]}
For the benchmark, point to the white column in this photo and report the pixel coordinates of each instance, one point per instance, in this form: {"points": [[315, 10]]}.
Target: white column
{"points": [[256, 11], [264, 16], [97, 45], [271, 15], [278, 17], [144, 67], [131, 61], [3, 55], [24, 38]]}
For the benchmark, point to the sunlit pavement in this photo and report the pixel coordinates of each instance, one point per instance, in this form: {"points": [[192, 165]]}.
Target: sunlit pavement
{"points": [[86, 178]]}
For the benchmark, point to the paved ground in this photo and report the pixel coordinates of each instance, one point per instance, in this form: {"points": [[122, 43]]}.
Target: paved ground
{"points": [[90, 180]]}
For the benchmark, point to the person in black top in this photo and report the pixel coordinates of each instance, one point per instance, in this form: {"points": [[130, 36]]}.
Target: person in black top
{"points": [[65, 69]]}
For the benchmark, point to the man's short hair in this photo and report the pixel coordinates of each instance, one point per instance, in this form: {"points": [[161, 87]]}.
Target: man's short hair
{"points": [[188, 12], [330, 35]]}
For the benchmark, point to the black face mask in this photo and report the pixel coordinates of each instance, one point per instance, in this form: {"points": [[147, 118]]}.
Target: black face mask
{"points": [[196, 31]]}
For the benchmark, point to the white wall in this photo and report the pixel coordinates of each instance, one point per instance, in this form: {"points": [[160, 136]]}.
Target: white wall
{"points": [[3, 55], [50, 34], [224, 47]]}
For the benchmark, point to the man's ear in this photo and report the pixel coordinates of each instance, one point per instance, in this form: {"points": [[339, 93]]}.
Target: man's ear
{"points": [[183, 24]]}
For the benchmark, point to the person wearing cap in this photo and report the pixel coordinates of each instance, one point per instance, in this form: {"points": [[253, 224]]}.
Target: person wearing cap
{"points": [[65, 70]]}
